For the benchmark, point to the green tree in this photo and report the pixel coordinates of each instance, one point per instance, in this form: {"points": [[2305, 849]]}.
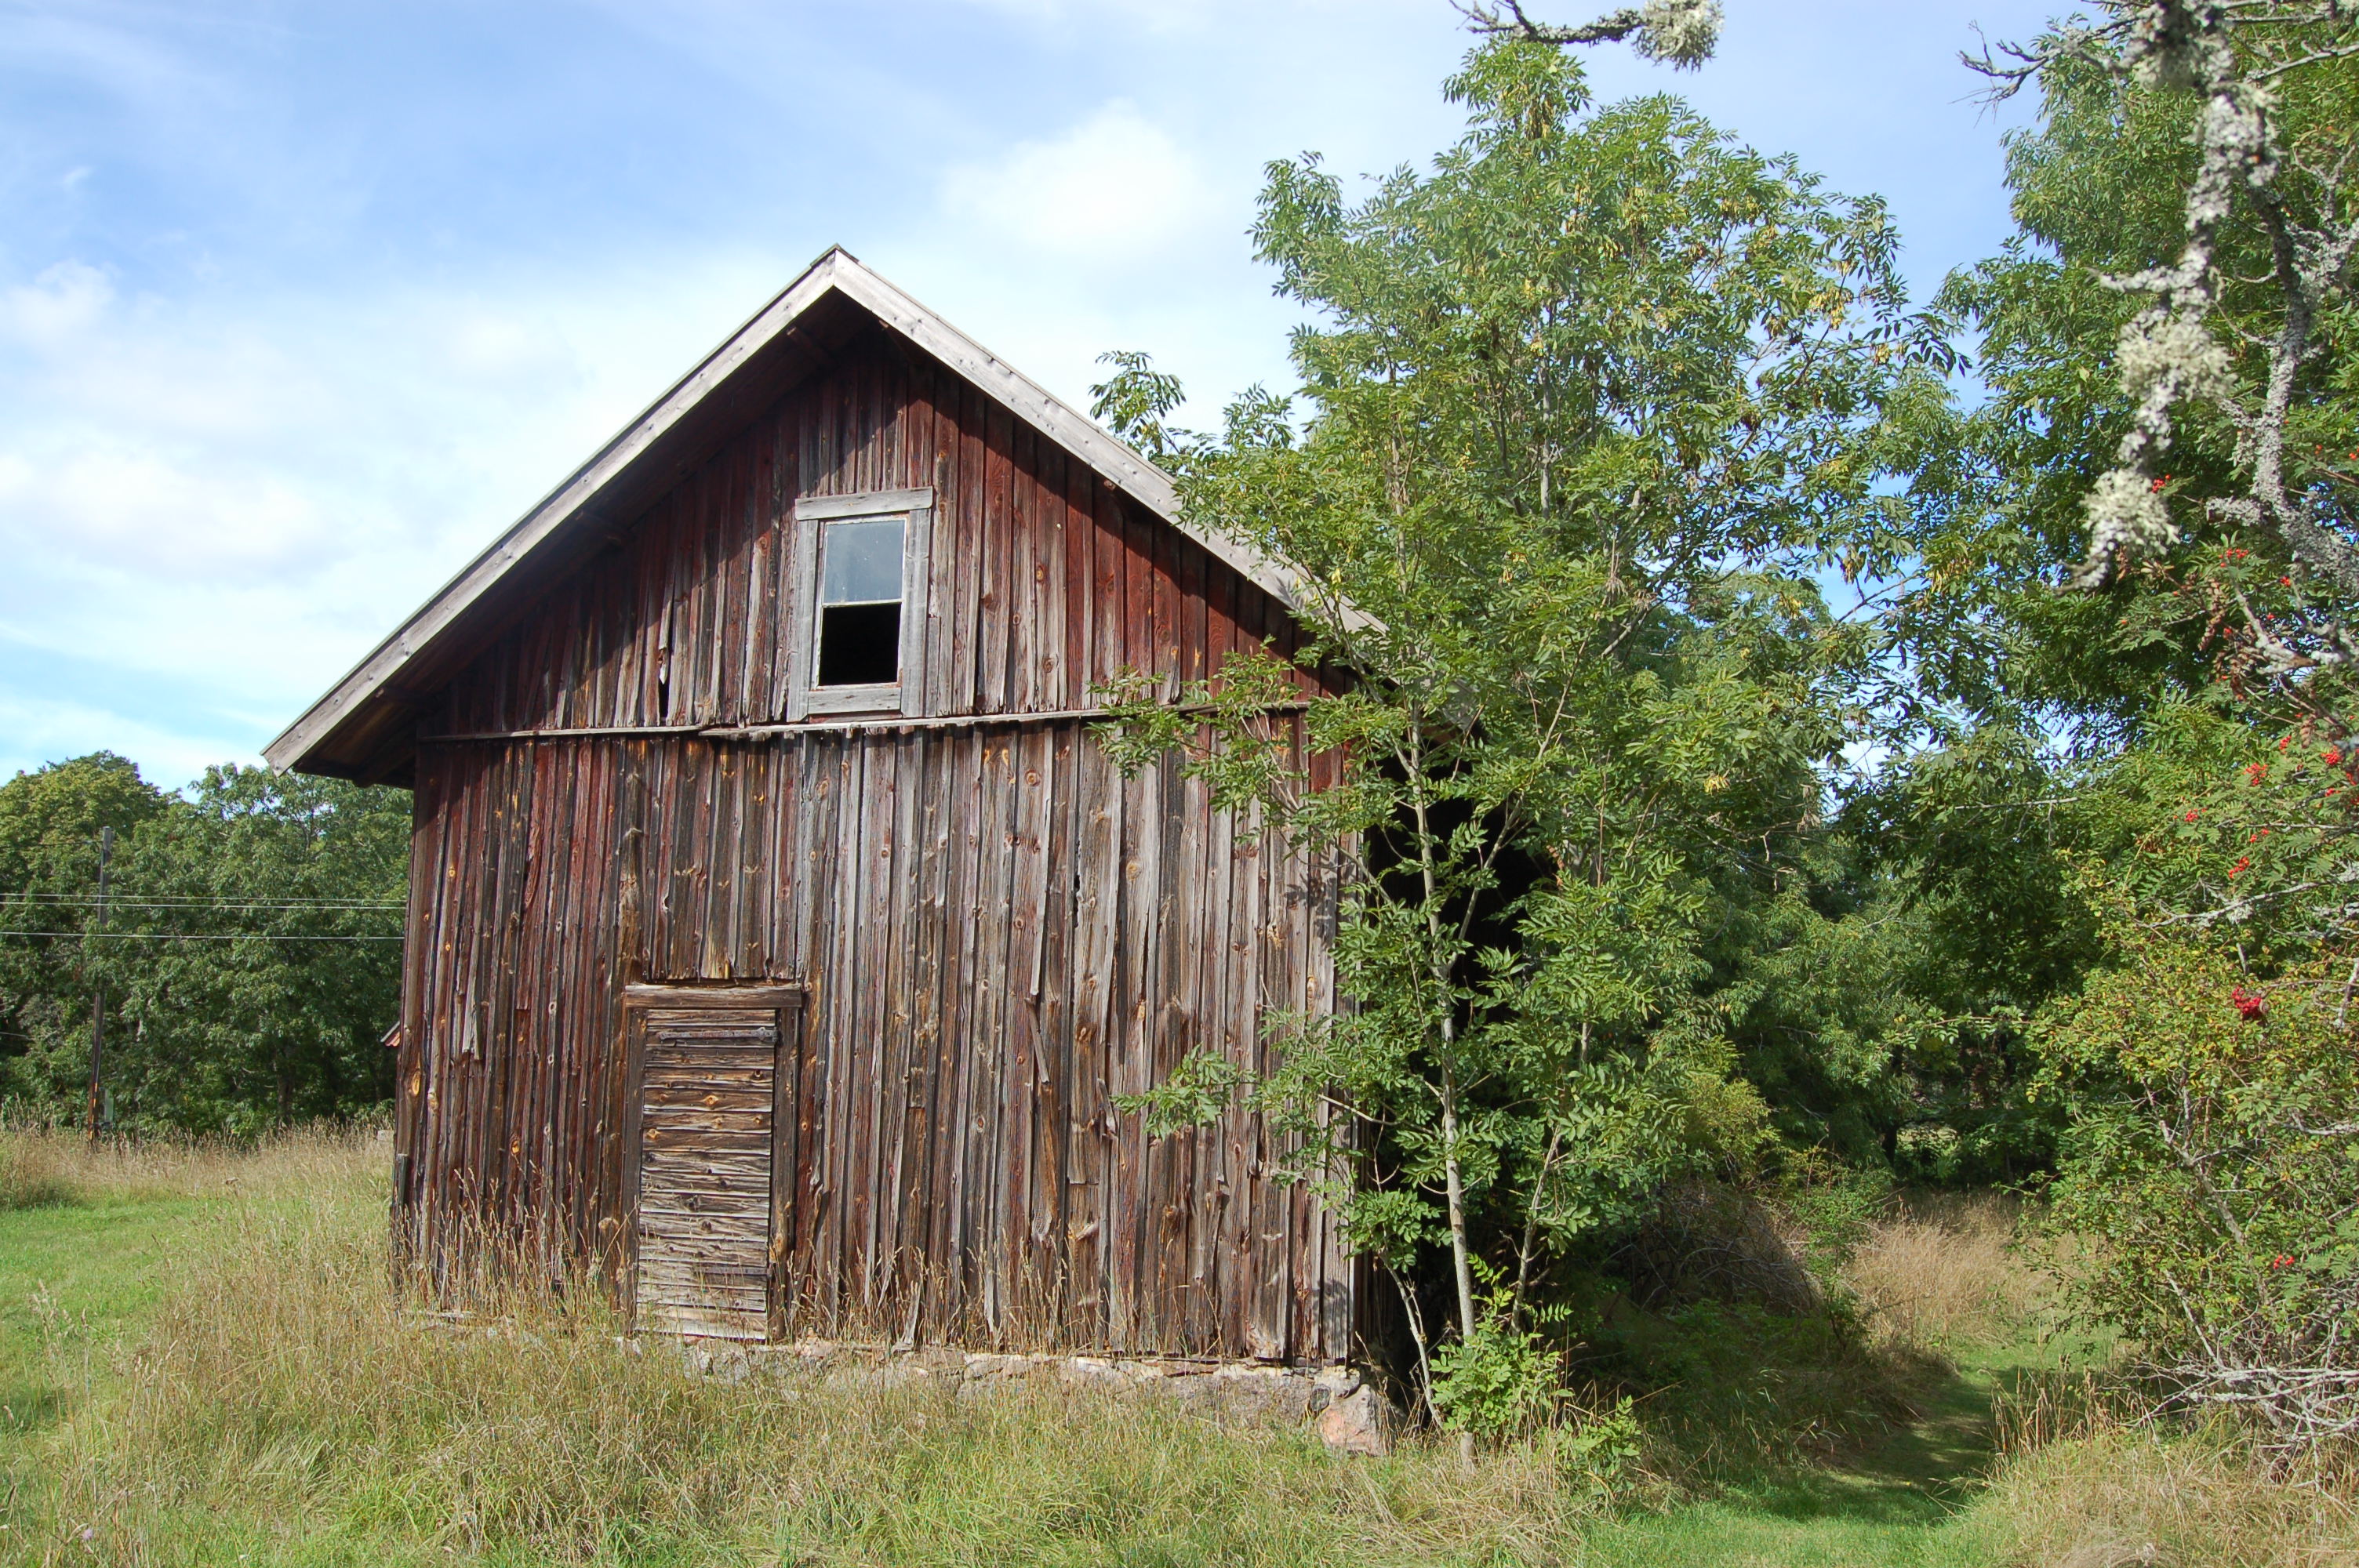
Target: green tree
{"points": [[250, 955], [275, 969], [2168, 345], [51, 820], [1591, 406], [2155, 516]]}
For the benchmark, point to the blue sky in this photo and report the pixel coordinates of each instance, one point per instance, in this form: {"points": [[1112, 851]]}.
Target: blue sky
{"points": [[301, 303]]}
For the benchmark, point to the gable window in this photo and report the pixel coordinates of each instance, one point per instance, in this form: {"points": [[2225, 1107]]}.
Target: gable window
{"points": [[860, 601], [861, 561]]}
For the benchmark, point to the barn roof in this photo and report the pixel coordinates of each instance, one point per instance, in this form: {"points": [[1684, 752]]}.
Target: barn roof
{"points": [[365, 722]]}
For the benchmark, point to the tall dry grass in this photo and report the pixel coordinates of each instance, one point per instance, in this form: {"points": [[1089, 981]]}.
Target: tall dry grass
{"points": [[281, 1404], [1946, 1271], [2080, 1479], [282, 1391], [2116, 1494], [44, 1166]]}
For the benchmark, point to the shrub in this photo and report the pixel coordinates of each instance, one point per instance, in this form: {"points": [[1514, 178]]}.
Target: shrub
{"points": [[1501, 1378], [2212, 1170]]}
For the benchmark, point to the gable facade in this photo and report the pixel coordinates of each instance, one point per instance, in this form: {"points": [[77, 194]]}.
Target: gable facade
{"points": [[794, 1009]]}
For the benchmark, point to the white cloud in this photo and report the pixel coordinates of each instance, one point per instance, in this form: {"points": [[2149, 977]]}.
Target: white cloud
{"points": [[1115, 186], [238, 494], [102, 504], [51, 311]]}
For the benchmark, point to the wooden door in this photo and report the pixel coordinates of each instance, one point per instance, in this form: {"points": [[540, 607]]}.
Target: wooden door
{"points": [[714, 1069]]}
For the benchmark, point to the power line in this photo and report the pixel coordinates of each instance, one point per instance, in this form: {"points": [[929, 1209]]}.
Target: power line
{"points": [[196, 936], [76, 901], [7, 906]]}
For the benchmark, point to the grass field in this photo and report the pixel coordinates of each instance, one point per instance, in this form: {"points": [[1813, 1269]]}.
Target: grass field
{"points": [[200, 1364]]}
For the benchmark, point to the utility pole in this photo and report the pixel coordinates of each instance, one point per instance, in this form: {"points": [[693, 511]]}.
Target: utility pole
{"points": [[98, 990]]}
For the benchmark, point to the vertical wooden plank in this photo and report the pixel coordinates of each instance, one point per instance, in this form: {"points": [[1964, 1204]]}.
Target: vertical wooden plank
{"points": [[1132, 1212], [1089, 1117], [929, 915], [796, 556], [1078, 583], [1277, 1278], [1192, 628], [997, 531], [1141, 630], [1230, 1234], [1052, 664], [529, 1126], [852, 1050], [722, 850], [971, 536], [1162, 547], [1032, 788], [1022, 606], [939, 470], [987, 1162], [1173, 1161], [1052, 984], [951, 872], [892, 930], [819, 912], [634, 1135], [783, 1137], [953, 1198]]}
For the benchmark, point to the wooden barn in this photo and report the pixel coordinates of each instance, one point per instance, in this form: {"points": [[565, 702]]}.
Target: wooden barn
{"points": [[779, 936]]}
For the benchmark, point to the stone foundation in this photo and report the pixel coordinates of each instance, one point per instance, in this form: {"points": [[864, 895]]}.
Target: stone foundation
{"points": [[1350, 1414]]}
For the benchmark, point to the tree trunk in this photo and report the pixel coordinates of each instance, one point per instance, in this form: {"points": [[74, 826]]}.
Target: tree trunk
{"points": [[1455, 1185], [1453, 1175]]}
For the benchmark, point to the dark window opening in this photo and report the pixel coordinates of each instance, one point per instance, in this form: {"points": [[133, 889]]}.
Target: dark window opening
{"points": [[860, 645], [860, 601]]}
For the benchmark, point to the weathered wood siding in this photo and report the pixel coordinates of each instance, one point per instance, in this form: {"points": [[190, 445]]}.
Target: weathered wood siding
{"points": [[996, 933], [1046, 580]]}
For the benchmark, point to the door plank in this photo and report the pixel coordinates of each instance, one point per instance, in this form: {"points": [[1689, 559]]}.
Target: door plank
{"points": [[706, 1119]]}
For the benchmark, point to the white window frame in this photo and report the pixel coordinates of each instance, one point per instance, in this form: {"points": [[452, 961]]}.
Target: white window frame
{"points": [[805, 697]]}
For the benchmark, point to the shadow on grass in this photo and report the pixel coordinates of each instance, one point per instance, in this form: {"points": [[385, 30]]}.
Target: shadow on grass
{"points": [[1917, 1474]]}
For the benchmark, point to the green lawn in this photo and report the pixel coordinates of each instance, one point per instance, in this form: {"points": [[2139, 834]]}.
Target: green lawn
{"points": [[1903, 1501], [74, 1278]]}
